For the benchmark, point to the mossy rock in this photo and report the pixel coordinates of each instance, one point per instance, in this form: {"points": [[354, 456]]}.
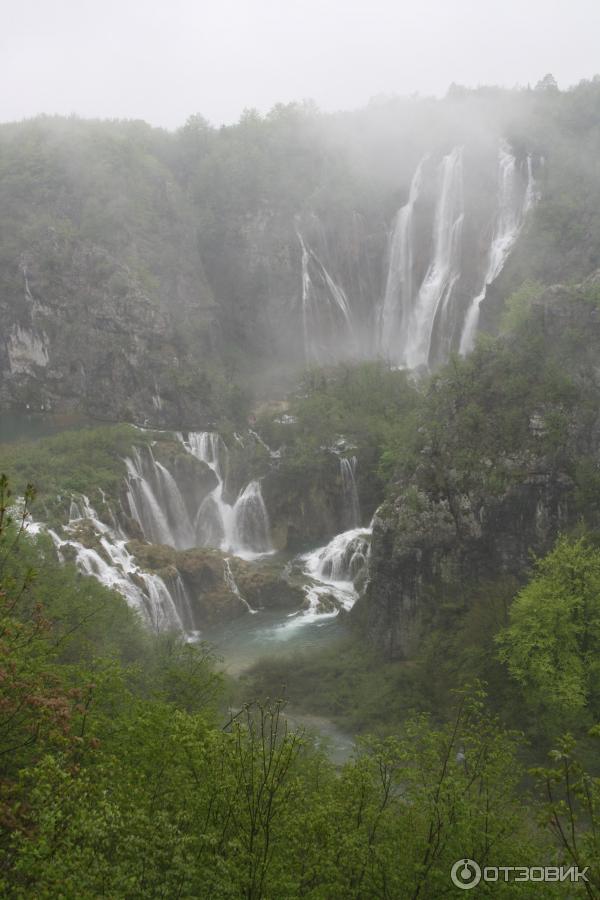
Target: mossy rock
{"points": [[263, 585], [203, 573], [153, 557]]}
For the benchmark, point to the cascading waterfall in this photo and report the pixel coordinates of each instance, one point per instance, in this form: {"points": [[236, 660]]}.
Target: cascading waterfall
{"points": [[116, 569], [184, 605], [156, 502], [341, 559], [509, 221], [432, 303], [399, 287], [351, 503], [242, 528], [333, 570]]}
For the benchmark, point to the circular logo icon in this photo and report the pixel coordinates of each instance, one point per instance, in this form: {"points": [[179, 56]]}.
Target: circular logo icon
{"points": [[465, 874]]}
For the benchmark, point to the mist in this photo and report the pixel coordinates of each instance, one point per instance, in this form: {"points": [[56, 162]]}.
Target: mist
{"points": [[163, 61]]}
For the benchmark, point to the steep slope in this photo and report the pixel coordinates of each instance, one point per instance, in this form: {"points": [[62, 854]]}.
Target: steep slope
{"points": [[505, 460]]}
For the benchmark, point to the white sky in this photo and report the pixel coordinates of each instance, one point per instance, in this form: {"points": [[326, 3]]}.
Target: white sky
{"points": [[162, 61]]}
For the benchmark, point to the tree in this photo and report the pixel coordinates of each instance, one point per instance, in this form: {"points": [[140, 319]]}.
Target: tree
{"points": [[572, 809], [547, 83], [552, 645]]}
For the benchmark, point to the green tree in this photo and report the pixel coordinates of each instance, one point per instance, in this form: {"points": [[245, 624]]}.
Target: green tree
{"points": [[552, 645]]}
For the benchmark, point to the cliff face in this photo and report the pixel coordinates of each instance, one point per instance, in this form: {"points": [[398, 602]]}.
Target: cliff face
{"points": [[423, 555], [455, 521], [103, 297]]}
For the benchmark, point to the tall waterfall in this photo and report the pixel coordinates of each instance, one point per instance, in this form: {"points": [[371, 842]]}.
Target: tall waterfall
{"points": [[351, 503], [432, 304], [437, 273], [509, 221], [399, 287], [326, 314], [242, 528]]}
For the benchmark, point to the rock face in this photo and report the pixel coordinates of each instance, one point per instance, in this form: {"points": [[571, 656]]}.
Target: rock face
{"points": [[304, 503], [422, 554], [431, 545], [103, 297], [219, 588], [92, 339]]}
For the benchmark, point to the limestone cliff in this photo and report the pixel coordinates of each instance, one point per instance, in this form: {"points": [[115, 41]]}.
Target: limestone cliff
{"points": [[474, 509], [103, 298]]}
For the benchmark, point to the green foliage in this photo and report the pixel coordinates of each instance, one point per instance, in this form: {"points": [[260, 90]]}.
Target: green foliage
{"points": [[221, 395], [552, 644], [591, 294], [71, 462], [518, 306], [481, 417], [346, 681], [118, 778], [368, 406], [572, 807]]}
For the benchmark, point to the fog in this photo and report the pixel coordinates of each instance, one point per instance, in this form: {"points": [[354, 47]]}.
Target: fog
{"points": [[162, 61]]}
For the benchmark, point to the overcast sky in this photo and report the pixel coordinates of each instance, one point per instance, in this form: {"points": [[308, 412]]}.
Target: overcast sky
{"points": [[162, 61]]}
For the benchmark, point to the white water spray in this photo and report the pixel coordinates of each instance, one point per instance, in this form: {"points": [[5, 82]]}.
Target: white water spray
{"points": [[116, 568], [399, 288], [351, 503], [241, 528], [433, 300], [509, 222]]}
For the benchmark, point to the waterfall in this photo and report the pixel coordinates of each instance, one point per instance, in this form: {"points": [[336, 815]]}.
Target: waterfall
{"points": [[209, 447], [351, 503], [180, 525], [233, 586], [251, 528], [341, 559], [117, 569], [162, 610], [398, 296], [326, 314], [155, 501], [432, 304], [426, 308], [332, 571], [183, 604], [509, 221], [143, 504], [242, 528]]}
